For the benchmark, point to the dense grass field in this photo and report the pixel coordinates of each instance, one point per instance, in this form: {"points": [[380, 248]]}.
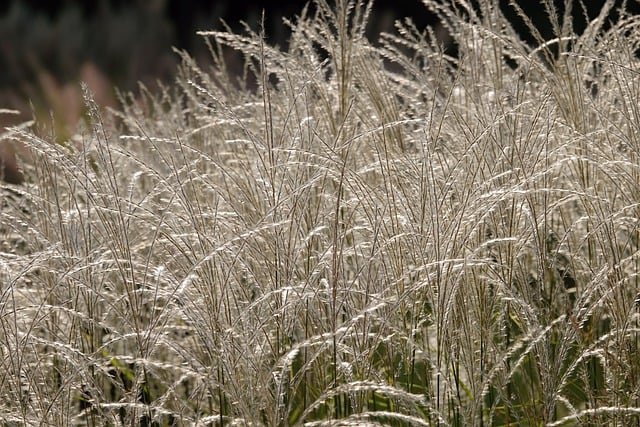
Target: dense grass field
{"points": [[361, 235]]}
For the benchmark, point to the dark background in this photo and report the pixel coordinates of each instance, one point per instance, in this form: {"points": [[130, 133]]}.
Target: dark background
{"points": [[132, 40], [47, 46]]}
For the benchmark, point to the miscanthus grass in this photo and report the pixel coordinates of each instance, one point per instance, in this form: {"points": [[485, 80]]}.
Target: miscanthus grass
{"points": [[349, 234]]}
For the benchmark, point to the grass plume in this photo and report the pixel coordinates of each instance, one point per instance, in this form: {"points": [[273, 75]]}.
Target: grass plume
{"points": [[378, 234]]}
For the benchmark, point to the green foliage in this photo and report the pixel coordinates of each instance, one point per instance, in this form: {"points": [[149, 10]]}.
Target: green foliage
{"points": [[367, 235]]}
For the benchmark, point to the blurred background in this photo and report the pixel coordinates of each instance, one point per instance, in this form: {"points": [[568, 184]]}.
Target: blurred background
{"points": [[47, 47]]}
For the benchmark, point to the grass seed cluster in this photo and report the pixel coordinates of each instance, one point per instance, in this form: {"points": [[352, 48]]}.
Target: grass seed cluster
{"points": [[369, 234]]}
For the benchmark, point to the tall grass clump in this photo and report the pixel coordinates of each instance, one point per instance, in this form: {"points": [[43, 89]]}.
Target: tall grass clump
{"points": [[348, 234]]}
